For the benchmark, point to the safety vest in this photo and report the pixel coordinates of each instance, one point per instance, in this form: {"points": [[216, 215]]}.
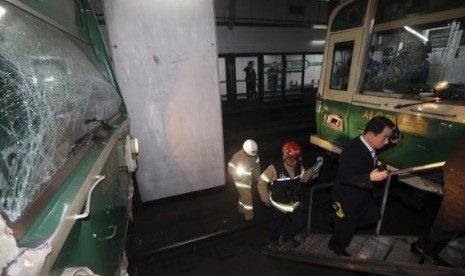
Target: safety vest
{"points": [[284, 188]]}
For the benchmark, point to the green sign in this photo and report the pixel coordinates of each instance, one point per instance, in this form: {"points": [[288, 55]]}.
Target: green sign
{"points": [[296, 65]]}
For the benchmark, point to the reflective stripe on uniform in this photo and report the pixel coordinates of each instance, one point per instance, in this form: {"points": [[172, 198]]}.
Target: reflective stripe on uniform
{"points": [[286, 208], [239, 169], [245, 206], [264, 178], [242, 185], [258, 160], [287, 178]]}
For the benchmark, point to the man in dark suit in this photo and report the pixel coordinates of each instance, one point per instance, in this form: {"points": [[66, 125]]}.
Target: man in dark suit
{"points": [[352, 194]]}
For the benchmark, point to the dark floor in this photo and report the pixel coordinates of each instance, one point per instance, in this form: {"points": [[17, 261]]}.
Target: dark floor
{"points": [[201, 233]]}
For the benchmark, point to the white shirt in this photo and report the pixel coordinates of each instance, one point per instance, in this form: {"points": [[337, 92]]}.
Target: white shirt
{"points": [[372, 150]]}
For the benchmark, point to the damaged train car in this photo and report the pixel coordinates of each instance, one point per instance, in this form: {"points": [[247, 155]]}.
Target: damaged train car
{"points": [[67, 156]]}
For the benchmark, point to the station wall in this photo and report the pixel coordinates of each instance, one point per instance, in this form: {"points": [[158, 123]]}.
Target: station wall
{"points": [[165, 57]]}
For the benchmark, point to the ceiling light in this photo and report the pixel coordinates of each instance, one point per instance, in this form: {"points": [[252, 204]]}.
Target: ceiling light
{"points": [[320, 26], [317, 42], [417, 34]]}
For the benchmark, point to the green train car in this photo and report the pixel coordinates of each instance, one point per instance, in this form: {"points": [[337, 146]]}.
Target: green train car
{"points": [[401, 59], [67, 156]]}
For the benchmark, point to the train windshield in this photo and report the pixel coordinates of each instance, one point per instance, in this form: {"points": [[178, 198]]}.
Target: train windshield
{"points": [[413, 61], [53, 95]]}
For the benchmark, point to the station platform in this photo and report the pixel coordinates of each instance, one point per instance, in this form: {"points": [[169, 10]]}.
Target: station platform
{"points": [[380, 255]]}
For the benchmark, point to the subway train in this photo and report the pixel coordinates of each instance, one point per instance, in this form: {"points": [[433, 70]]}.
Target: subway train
{"points": [[403, 60], [67, 156]]}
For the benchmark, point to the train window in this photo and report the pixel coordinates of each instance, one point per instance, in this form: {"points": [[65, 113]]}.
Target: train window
{"points": [[411, 61], [53, 95], [351, 16], [390, 10], [342, 60]]}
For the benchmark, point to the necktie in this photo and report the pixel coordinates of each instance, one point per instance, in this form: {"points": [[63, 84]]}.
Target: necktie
{"points": [[375, 157]]}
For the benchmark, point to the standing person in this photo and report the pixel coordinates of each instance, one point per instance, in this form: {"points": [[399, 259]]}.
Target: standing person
{"points": [[278, 187], [273, 74], [450, 219], [244, 168], [357, 174], [250, 80]]}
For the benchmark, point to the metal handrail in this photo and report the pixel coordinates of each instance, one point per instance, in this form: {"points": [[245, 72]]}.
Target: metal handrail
{"points": [[385, 193], [388, 184], [310, 201]]}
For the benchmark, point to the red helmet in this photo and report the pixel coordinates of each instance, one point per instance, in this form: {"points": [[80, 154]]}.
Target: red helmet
{"points": [[291, 150]]}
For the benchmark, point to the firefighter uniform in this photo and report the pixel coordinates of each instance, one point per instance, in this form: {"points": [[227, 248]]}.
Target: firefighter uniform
{"points": [[278, 186], [244, 169]]}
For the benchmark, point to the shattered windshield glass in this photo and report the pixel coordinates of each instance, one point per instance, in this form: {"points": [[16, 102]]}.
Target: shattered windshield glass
{"points": [[418, 61], [52, 95]]}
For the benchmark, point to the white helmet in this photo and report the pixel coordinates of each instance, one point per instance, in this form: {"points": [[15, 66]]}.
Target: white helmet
{"points": [[250, 147]]}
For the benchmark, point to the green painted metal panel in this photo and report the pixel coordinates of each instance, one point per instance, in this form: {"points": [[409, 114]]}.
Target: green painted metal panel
{"points": [[426, 140], [98, 242], [98, 45], [341, 109]]}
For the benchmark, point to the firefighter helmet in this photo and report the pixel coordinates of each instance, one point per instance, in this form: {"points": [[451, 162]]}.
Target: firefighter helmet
{"points": [[291, 150], [250, 147]]}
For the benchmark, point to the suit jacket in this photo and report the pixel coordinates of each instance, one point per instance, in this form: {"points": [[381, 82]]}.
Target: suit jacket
{"points": [[353, 178]]}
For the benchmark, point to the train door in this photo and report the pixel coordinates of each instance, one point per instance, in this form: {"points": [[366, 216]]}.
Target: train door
{"points": [[339, 85]]}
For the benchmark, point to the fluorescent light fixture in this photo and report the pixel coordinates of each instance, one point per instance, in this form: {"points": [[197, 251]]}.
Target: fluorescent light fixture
{"points": [[317, 42], [320, 26], [417, 34]]}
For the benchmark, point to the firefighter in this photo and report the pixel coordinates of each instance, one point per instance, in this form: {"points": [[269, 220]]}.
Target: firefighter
{"points": [[278, 187], [244, 168]]}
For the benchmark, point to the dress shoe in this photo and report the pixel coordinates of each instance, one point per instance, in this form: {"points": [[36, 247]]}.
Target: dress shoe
{"points": [[343, 253], [416, 249], [337, 250]]}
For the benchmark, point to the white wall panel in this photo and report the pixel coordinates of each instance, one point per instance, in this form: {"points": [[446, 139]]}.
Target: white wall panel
{"points": [[165, 59]]}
